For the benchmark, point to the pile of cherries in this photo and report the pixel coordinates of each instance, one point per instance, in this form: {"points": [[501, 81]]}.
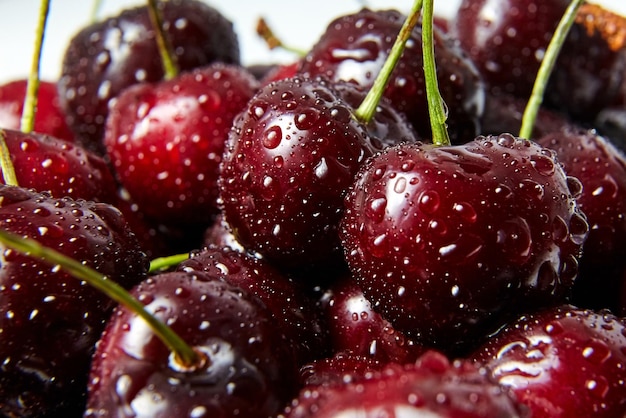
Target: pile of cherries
{"points": [[311, 250]]}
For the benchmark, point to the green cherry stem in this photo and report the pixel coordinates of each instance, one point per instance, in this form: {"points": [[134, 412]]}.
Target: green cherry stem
{"points": [[170, 66], [546, 67], [366, 110], [436, 105], [27, 122], [95, 10], [6, 165], [183, 353], [163, 263]]}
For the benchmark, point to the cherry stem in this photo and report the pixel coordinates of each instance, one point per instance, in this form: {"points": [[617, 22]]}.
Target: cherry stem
{"points": [[170, 66], [183, 353], [95, 10], [367, 109], [8, 170], [546, 67], [267, 34], [163, 263], [27, 123], [436, 105]]}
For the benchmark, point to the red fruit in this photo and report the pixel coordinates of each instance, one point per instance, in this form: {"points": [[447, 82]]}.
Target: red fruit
{"points": [[166, 140], [289, 159], [49, 119], [106, 57], [601, 168], [504, 113], [294, 313], [446, 242], [431, 387], [354, 47], [249, 370], [50, 321], [48, 164], [339, 369], [506, 39], [562, 362], [355, 327]]}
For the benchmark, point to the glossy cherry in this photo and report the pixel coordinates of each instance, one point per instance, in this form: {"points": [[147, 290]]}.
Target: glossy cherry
{"points": [[562, 362], [110, 55], [448, 241], [50, 321]]}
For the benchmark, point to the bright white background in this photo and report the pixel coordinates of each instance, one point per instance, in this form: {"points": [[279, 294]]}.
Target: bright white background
{"points": [[298, 23]]}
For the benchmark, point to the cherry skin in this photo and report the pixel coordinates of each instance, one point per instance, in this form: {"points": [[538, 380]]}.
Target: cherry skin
{"points": [[356, 328], [290, 157], [50, 321], [562, 362], [294, 312], [249, 369], [432, 386], [165, 140], [601, 168], [448, 241], [49, 118], [108, 56], [59, 167], [354, 47]]}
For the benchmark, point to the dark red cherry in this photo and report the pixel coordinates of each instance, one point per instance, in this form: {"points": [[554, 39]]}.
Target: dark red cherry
{"points": [[49, 119], [165, 140], [249, 370], [62, 168], [356, 328], [108, 56], [446, 242], [562, 362], [431, 387], [601, 168], [354, 47], [50, 321], [504, 113], [290, 157], [506, 39], [293, 311]]}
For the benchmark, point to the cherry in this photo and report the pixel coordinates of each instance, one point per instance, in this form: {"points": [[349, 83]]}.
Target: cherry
{"points": [[356, 328], [601, 168], [50, 119], [49, 321], [447, 241], [165, 140], [293, 311], [289, 158], [504, 113], [433, 386], [108, 56], [248, 367], [354, 47], [506, 39], [48, 164], [562, 362]]}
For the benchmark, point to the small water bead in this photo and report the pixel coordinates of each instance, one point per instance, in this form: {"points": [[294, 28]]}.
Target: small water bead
{"points": [[598, 386], [532, 190], [429, 201], [341, 114], [574, 186], [543, 164], [272, 137], [578, 228], [596, 351], [376, 209], [306, 119], [515, 239], [466, 211]]}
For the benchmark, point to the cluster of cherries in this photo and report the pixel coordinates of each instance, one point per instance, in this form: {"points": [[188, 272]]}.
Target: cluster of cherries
{"points": [[305, 240]]}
